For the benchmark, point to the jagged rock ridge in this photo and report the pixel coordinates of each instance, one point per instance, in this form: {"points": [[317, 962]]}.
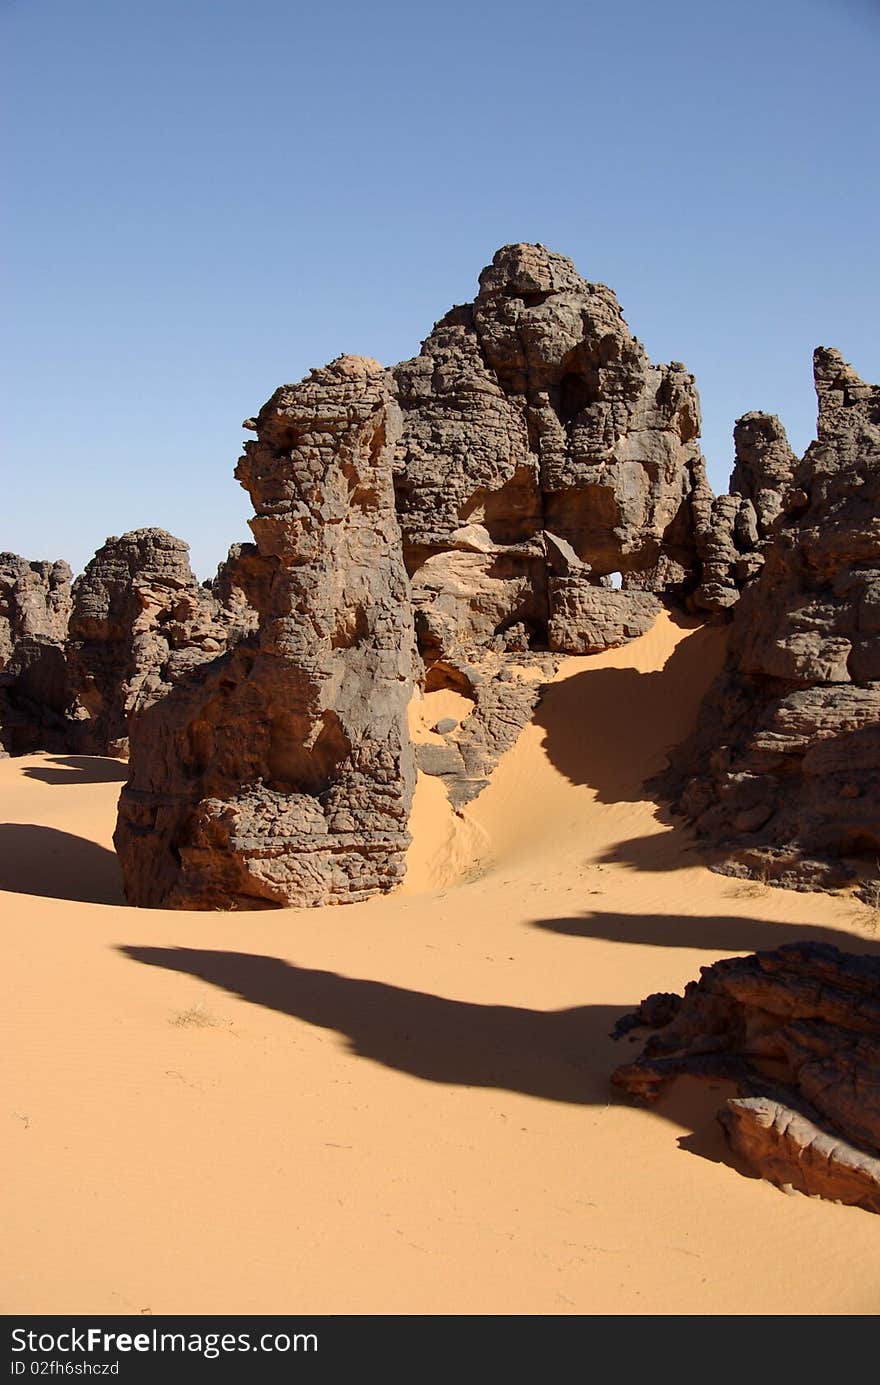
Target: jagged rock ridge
{"points": [[784, 769]]}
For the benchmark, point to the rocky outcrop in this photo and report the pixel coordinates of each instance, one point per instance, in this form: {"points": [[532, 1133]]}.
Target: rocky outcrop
{"points": [[734, 530], [798, 1030], [550, 492], [140, 623], [34, 602], [783, 773], [532, 418], [282, 772], [550, 495], [34, 610], [542, 459]]}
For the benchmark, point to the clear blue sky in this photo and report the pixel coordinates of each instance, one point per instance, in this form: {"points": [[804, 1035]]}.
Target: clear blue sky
{"points": [[208, 197]]}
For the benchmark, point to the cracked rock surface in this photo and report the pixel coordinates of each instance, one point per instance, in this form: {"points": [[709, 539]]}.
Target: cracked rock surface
{"points": [[34, 610], [542, 458], [282, 772], [783, 773], [140, 623]]}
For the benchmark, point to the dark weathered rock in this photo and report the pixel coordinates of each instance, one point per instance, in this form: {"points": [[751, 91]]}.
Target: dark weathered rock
{"points": [[733, 532], [798, 1029], [34, 610], [541, 453], [140, 623], [282, 772], [532, 416], [790, 1149], [784, 770], [34, 602]]}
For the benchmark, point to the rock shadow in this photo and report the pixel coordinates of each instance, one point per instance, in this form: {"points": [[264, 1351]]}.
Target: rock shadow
{"points": [[560, 1055], [79, 769], [52, 864], [713, 934], [612, 728], [695, 1104], [661, 851]]}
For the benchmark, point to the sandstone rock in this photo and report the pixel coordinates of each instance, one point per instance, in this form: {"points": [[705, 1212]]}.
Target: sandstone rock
{"points": [[140, 622], [541, 453], [34, 602], [239, 591], [282, 772], [591, 618], [503, 696], [799, 1030], [790, 1149], [784, 770], [34, 610], [533, 412], [733, 531]]}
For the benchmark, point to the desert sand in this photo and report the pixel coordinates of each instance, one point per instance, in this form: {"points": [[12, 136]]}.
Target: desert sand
{"points": [[402, 1106]]}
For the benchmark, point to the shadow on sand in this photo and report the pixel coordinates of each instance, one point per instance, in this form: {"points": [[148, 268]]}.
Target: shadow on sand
{"points": [[558, 1055], [57, 865], [610, 728], [79, 769], [561, 1055], [713, 934]]}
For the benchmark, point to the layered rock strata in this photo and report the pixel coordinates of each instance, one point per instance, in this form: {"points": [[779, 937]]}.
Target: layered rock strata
{"points": [[282, 772], [783, 773], [798, 1030]]}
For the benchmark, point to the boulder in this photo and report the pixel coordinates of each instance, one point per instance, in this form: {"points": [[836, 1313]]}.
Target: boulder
{"points": [[798, 1030]]}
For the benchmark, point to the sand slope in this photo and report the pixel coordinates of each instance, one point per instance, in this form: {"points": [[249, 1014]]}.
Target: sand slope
{"points": [[400, 1106]]}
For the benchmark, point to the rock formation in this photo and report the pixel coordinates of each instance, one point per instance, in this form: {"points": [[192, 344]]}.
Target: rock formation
{"points": [[237, 591], [734, 531], [281, 772], [798, 1030], [549, 494], [140, 622], [34, 610], [784, 770], [34, 602], [532, 418], [541, 454]]}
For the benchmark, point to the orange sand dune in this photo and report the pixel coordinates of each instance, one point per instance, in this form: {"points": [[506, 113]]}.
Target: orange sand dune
{"points": [[401, 1106]]}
